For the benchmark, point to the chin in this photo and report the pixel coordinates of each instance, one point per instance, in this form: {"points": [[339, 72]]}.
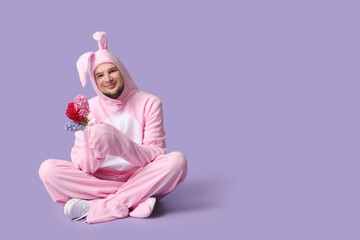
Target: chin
{"points": [[114, 95]]}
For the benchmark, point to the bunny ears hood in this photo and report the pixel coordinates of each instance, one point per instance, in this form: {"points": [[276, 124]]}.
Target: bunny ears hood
{"points": [[89, 61]]}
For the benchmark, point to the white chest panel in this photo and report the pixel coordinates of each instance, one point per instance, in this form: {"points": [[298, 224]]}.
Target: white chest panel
{"points": [[128, 125]]}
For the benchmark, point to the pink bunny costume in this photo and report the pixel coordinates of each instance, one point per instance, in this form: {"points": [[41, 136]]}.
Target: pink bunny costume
{"points": [[120, 160]]}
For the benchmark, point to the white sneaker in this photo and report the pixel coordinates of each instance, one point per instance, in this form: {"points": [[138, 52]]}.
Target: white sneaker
{"points": [[77, 209]]}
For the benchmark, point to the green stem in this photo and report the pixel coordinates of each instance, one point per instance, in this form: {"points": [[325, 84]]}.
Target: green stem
{"points": [[85, 121]]}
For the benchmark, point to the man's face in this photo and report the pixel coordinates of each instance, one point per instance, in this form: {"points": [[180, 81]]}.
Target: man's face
{"points": [[109, 80]]}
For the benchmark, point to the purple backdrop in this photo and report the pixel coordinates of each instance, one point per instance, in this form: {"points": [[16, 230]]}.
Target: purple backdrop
{"points": [[261, 96]]}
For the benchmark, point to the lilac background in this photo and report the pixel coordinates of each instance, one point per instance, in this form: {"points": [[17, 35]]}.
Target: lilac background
{"points": [[261, 96]]}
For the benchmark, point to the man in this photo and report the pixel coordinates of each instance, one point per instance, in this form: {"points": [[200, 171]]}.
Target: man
{"points": [[119, 163]]}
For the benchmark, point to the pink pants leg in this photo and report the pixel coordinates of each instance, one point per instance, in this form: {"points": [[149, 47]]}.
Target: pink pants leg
{"points": [[113, 192]]}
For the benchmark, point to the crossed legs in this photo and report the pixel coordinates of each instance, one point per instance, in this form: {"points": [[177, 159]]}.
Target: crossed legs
{"points": [[113, 192]]}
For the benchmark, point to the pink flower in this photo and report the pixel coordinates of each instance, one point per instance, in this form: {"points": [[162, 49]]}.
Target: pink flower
{"points": [[81, 105]]}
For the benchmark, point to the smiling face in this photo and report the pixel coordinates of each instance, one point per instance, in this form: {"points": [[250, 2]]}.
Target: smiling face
{"points": [[109, 80]]}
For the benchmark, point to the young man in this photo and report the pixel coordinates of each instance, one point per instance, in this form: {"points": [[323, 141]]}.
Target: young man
{"points": [[119, 163]]}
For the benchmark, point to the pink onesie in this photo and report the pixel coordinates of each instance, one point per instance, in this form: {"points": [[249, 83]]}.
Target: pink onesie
{"points": [[120, 160]]}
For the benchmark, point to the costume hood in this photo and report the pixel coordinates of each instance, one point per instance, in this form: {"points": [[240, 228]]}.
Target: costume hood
{"points": [[88, 62]]}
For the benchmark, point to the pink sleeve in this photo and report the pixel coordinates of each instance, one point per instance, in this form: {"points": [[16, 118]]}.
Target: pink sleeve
{"points": [[80, 153], [154, 134]]}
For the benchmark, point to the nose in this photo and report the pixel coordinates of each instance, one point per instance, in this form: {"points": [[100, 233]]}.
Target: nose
{"points": [[108, 78]]}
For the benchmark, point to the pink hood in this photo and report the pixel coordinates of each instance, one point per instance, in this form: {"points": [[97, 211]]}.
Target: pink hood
{"points": [[88, 62]]}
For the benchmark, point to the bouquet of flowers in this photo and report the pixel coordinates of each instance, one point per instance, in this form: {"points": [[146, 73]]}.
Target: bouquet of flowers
{"points": [[77, 111]]}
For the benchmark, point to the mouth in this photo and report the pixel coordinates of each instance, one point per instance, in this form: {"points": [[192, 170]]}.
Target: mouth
{"points": [[111, 86]]}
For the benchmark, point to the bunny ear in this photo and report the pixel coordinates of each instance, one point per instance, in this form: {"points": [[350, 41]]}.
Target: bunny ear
{"points": [[83, 66], [101, 37]]}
